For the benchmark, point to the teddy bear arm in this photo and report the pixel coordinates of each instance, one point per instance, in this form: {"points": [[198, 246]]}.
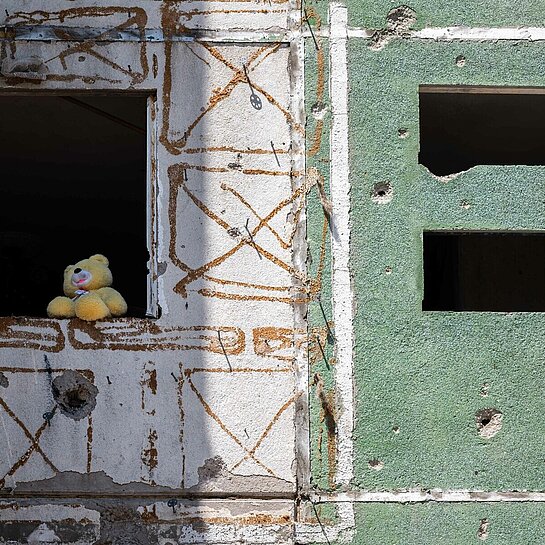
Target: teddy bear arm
{"points": [[91, 307], [113, 300], [61, 307]]}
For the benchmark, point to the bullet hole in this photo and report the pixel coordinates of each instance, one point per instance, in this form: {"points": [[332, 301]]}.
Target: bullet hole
{"points": [[235, 166], [318, 110], [460, 61], [400, 19], [234, 232], [482, 532], [382, 193], [483, 392], [489, 422], [377, 465], [81, 58], [388, 270], [398, 23], [466, 205], [4, 382], [161, 268], [396, 429], [74, 394], [403, 133]]}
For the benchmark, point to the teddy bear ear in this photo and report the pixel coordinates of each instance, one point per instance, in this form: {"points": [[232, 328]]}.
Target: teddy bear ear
{"points": [[100, 258]]}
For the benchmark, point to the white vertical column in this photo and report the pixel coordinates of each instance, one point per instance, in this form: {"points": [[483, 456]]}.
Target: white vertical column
{"points": [[342, 285]]}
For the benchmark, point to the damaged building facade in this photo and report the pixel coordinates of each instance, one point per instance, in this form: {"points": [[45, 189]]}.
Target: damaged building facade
{"points": [[320, 347]]}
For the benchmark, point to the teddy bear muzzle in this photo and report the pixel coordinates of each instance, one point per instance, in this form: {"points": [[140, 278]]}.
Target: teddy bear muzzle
{"points": [[81, 277]]}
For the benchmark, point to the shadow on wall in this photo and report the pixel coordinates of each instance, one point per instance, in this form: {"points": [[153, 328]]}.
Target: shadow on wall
{"points": [[79, 160]]}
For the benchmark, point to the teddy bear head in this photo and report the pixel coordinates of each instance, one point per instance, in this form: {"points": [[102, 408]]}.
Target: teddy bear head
{"points": [[87, 274]]}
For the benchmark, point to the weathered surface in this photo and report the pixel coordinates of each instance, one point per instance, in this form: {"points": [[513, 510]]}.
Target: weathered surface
{"points": [[373, 14], [419, 375], [450, 524], [229, 418], [199, 402]]}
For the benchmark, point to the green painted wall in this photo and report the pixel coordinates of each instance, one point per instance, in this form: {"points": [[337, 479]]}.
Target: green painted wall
{"points": [[421, 377], [321, 328], [418, 373], [450, 524], [442, 13]]}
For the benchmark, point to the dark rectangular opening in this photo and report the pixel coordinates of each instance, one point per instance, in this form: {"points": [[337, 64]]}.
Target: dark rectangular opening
{"points": [[461, 127], [74, 184], [484, 271]]}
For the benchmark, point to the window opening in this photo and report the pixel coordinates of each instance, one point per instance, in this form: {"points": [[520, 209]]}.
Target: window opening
{"points": [[484, 271], [74, 183], [461, 127]]}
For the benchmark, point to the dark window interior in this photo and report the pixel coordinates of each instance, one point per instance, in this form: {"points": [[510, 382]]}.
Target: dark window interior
{"points": [[73, 184], [461, 130], [478, 271]]}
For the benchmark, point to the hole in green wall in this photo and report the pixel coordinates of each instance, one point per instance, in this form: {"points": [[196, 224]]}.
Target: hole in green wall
{"points": [[484, 271], [461, 127]]}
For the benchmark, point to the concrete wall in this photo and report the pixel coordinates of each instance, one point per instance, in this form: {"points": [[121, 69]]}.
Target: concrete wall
{"points": [[191, 437], [292, 390], [420, 464]]}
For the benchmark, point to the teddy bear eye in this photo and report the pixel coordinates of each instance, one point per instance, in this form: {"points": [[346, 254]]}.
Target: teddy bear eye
{"points": [[78, 270]]}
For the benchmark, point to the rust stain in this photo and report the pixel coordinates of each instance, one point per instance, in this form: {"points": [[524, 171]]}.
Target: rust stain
{"points": [[320, 86], [282, 409], [270, 341], [177, 177], [225, 282], [319, 335], [150, 454], [135, 17], [150, 515], [180, 399], [190, 14], [327, 417], [35, 438], [236, 297], [34, 444], [248, 171], [189, 372], [244, 520], [248, 520], [144, 335], [255, 151], [155, 65], [36, 333], [316, 283], [151, 379], [148, 382], [170, 19]]}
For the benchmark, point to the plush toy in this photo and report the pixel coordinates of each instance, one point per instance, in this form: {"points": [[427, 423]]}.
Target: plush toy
{"points": [[88, 293]]}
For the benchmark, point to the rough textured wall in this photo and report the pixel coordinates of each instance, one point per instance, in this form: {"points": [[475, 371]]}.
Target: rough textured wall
{"points": [[445, 446], [188, 427], [291, 390]]}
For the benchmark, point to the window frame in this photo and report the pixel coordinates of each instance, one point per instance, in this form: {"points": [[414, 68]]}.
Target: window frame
{"points": [[153, 310]]}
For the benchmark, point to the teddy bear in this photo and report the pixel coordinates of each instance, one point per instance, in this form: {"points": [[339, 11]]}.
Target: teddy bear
{"points": [[88, 292]]}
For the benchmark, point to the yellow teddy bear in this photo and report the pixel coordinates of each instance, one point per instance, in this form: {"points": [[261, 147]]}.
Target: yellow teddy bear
{"points": [[88, 293]]}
